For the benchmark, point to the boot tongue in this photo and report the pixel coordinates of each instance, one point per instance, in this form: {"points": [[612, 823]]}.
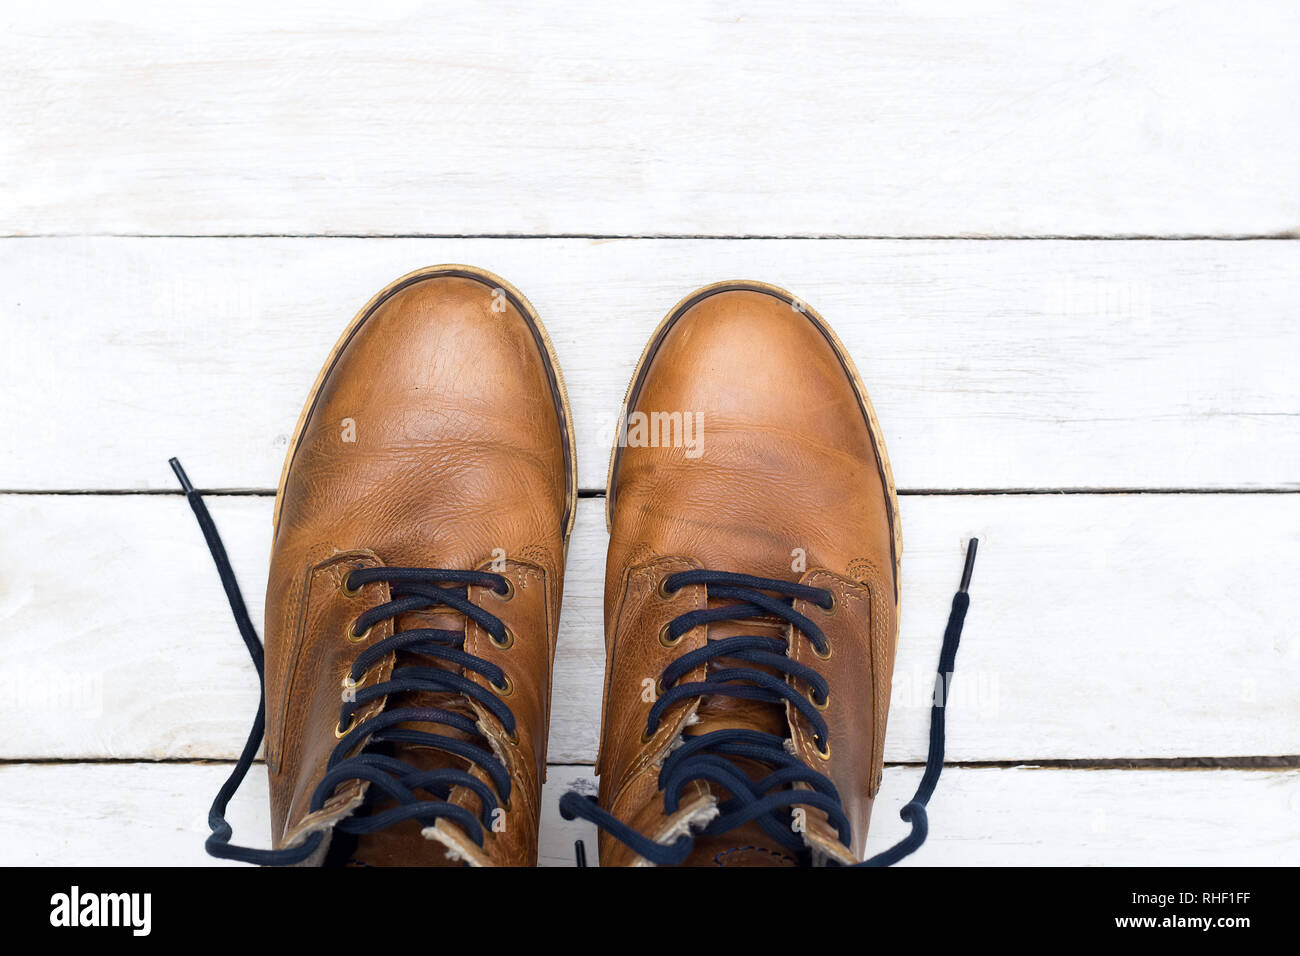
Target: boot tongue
{"points": [[403, 844], [746, 845], [719, 712]]}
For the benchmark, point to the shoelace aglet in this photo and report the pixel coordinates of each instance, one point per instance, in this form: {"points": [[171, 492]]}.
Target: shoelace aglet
{"points": [[580, 852], [971, 548], [184, 479]]}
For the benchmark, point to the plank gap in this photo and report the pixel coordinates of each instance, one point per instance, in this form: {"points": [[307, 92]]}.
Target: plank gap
{"points": [[1283, 762], [600, 492], [1283, 236]]}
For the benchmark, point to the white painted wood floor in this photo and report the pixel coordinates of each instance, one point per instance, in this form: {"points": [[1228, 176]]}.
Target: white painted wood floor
{"points": [[1059, 241]]}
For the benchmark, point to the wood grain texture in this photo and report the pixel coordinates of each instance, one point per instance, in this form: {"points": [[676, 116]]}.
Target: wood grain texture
{"points": [[992, 365], [768, 118], [1101, 627], [139, 814]]}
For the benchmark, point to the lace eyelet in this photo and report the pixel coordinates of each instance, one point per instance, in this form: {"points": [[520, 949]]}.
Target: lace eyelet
{"points": [[662, 588], [819, 655], [510, 591], [504, 691], [505, 645], [822, 749], [341, 732], [828, 611], [513, 739], [647, 736], [667, 640], [812, 699], [347, 591], [349, 683], [356, 638]]}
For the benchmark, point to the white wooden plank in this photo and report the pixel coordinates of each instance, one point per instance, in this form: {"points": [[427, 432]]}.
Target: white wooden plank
{"points": [[767, 118], [1102, 626], [143, 814], [991, 364], [140, 814], [1029, 817]]}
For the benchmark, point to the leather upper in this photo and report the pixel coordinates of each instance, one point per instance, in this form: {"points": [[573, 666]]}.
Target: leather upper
{"points": [[436, 438], [788, 480]]}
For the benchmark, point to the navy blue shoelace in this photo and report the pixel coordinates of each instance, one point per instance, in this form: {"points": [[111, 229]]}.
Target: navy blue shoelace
{"points": [[709, 757], [410, 589]]}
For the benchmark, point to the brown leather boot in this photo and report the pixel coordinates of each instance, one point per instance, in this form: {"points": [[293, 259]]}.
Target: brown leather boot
{"points": [[751, 594], [420, 533]]}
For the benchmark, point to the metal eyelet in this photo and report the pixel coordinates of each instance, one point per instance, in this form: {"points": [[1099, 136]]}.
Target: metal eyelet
{"points": [[828, 611], [647, 736], [812, 699], [347, 591], [666, 640], [662, 588], [341, 732], [504, 691], [505, 645], [510, 591], [514, 738], [354, 685], [822, 754], [818, 654], [356, 638]]}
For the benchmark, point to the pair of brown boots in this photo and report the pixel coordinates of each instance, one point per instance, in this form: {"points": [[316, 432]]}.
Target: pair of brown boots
{"points": [[420, 534]]}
